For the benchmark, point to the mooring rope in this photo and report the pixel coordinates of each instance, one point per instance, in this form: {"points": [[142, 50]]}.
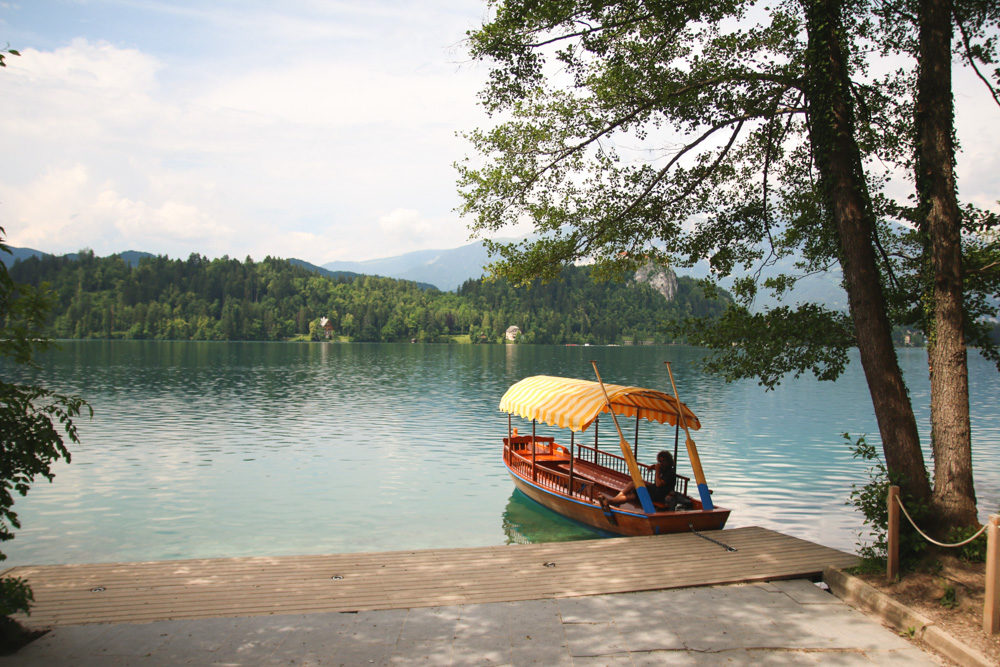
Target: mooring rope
{"points": [[706, 537], [931, 539]]}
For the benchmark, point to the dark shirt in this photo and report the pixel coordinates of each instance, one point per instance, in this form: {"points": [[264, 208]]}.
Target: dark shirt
{"points": [[667, 480]]}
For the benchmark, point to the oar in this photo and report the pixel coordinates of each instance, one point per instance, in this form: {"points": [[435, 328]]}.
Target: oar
{"points": [[640, 486], [699, 474]]}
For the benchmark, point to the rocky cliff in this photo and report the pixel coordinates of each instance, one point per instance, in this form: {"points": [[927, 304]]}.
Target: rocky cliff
{"points": [[661, 278]]}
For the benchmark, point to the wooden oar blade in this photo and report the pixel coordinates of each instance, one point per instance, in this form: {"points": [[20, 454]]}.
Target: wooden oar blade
{"points": [[633, 467]]}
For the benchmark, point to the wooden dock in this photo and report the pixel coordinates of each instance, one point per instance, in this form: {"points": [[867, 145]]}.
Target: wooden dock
{"points": [[148, 591]]}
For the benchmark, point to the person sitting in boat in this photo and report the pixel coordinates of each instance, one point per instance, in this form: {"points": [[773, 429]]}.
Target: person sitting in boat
{"points": [[665, 480]]}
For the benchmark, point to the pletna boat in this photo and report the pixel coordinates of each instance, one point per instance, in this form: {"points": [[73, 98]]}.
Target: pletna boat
{"points": [[575, 479]]}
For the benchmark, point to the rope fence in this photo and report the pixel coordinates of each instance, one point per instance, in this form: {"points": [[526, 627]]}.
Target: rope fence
{"points": [[931, 539], [991, 605]]}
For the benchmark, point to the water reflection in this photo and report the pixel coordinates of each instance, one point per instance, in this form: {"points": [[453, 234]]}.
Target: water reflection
{"points": [[232, 449], [527, 522]]}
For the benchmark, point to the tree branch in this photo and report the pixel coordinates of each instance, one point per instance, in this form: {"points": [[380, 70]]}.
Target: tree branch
{"points": [[885, 258], [590, 30], [972, 61], [889, 9], [767, 166], [651, 105], [982, 269]]}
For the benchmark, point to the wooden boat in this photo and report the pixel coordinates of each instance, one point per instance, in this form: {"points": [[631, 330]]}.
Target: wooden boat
{"points": [[574, 478]]}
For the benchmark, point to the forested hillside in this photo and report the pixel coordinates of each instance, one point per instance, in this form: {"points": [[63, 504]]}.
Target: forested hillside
{"points": [[228, 299], [577, 309]]}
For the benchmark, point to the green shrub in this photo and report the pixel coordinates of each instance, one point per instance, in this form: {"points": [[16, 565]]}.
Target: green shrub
{"points": [[872, 501], [950, 598], [15, 596], [974, 551]]}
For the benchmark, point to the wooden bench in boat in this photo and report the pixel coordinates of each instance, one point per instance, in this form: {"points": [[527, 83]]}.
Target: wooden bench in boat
{"points": [[526, 440], [611, 478], [545, 447], [595, 473]]}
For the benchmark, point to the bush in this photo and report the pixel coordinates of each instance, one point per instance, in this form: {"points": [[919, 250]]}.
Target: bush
{"points": [[33, 423], [872, 501], [974, 551], [15, 596]]}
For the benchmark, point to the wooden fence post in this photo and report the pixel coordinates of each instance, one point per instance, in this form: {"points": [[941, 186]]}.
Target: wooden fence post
{"points": [[991, 607], [892, 536]]}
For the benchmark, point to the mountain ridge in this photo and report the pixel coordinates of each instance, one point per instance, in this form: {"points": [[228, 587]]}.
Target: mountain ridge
{"points": [[447, 269]]}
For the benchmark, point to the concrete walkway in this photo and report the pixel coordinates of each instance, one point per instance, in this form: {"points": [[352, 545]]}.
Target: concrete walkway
{"points": [[777, 623]]}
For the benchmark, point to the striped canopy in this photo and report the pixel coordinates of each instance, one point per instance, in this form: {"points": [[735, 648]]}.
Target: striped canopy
{"points": [[574, 404]]}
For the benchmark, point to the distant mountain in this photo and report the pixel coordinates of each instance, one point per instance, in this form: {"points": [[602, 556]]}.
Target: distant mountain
{"points": [[351, 274], [445, 269], [131, 257], [823, 288], [19, 254], [448, 269], [321, 271]]}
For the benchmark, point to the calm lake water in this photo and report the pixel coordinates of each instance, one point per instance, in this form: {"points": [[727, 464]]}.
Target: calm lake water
{"points": [[239, 449]]}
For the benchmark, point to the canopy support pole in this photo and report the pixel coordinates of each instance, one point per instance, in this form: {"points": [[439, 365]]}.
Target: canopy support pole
{"points": [[572, 455], [636, 451], [699, 474], [677, 434], [510, 439], [534, 473], [597, 424], [640, 485]]}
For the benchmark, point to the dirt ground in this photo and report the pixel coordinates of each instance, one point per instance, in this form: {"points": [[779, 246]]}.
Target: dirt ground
{"points": [[950, 592]]}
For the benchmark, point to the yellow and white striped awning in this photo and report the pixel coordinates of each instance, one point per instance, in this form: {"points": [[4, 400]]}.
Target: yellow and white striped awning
{"points": [[574, 404]]}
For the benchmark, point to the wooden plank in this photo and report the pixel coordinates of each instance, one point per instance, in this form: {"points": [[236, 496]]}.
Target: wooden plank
{"points": [[204, 588]]}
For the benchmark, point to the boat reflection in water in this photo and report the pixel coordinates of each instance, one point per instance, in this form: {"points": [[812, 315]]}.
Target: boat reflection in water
{"points": [[528, 522]]}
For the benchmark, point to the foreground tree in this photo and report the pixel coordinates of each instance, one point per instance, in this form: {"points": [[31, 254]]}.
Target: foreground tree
{"points": [[846, 199], [954, 497], [33, 422], [955, 250], [689, 132]]}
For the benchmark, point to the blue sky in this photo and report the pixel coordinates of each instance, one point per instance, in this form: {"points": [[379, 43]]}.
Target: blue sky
{"points": [[317, 129], [312, 129]]}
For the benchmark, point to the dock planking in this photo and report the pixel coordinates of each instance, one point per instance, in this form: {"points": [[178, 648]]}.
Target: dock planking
{"points": [[191, 589]]}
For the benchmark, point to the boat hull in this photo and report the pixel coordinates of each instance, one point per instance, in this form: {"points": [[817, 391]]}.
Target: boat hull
{"points": [[621, 521]]}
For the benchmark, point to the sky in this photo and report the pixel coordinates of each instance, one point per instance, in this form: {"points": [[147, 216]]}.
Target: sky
{"points": [[317, 129]]}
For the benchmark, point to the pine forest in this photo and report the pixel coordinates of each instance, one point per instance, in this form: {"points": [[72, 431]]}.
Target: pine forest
{"points": [[276, 299]]}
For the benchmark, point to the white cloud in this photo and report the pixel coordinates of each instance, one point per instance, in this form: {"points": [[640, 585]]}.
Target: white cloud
{"points": [[66, 209], [398, 231], [404, 221], [117, 150], [90, 67], [45, 210], [334, 95], [171, 220]]}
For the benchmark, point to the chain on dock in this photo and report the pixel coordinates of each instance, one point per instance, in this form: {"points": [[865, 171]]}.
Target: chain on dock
{"points": [[706, 537]]}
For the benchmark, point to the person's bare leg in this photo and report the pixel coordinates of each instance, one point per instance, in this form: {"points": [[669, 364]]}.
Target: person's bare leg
{"points": [[628, 493]]}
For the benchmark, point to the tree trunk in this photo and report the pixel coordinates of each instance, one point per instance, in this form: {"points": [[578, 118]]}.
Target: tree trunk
{"points": [[954, 498], [838, 160]]}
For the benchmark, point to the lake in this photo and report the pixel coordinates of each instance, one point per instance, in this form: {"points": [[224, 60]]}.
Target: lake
{"points": [[241, 449]]}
